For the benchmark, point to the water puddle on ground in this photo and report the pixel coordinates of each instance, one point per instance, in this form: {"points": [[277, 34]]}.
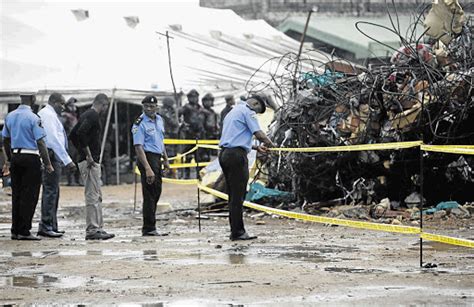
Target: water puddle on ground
{"points": [[38, 281], [305, 253], [237, 254]]}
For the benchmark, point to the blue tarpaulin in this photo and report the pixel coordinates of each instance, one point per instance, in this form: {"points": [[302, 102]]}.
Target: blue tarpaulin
{"points": [[258, 191], [442, 206]]}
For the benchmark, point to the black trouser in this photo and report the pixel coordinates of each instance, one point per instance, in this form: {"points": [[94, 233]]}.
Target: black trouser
{"points": [[234, 164], [26, 182], [151, 192], [50, 196]]}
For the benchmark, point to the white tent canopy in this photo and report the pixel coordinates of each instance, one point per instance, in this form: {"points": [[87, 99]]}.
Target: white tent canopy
{"points": [[47, 48]]}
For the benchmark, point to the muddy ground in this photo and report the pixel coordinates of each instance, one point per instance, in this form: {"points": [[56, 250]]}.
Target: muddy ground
{"points": [[291, 263]]}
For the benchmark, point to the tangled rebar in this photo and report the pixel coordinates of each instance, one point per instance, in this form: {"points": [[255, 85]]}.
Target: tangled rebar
{"points": [[423, 92]]}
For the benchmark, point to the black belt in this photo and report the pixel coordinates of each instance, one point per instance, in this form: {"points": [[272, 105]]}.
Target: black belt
{"points": [[25, 151], [240, 148], [152, 153]]}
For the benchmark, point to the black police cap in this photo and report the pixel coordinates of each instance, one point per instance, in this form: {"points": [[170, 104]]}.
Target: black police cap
{"points": [[149, 99]]}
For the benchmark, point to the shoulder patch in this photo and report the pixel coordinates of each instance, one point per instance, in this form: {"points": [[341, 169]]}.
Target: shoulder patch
{"points": [[138, 120], [134, 129]]}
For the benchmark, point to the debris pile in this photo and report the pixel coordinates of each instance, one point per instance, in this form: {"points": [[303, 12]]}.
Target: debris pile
{"points": [[423, 92]]}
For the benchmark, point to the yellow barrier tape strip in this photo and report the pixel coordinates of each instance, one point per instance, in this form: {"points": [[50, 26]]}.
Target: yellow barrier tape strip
{"points": [[179, 165], [462, 150], [382, 146], [451, 146], [320, 219], [447, 240], [189, 142], [209, 146], [184, 165], [179, 156], [180, 181], [170, 180]]}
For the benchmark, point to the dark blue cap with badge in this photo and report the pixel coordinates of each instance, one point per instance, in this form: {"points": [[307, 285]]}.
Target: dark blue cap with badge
{"points": [[149, 99]]}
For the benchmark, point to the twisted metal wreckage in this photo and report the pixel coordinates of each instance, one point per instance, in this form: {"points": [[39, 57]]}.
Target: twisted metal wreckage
{"points": [[424, 93]]}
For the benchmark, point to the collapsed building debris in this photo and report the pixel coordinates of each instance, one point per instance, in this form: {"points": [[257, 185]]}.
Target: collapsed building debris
{"points": [[423, 93]]}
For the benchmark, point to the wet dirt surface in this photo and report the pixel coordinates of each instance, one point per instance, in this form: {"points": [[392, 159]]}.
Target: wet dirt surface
{"points": [[291, 263]]}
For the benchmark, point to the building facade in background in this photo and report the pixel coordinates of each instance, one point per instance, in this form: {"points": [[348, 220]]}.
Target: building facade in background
{"points": [[275, 11], [332, 29]]}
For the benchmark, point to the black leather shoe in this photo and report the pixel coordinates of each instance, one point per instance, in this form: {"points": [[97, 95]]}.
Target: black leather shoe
{"points": [[60, 231], [14, 236], [49, 234], [28, 238], [100, 235], [155, 233], [244, 236]]}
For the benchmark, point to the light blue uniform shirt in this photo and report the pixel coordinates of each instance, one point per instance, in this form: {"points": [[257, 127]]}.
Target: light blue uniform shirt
{"points": [[55, 135], [239, 126], [24, 128], [149, 133]]}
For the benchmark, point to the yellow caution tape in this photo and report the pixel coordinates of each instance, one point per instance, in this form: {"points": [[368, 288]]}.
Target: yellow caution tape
{"points": [[179, 156], [184, 165], [451, 146], [319, 219], [447, 240], [180, 181], [455, 149], [382, 146], [209, 146], [170, 180], [189, 142], [180, 165]]}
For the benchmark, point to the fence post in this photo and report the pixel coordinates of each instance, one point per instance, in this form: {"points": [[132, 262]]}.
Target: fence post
{"points": [[198, 177]]}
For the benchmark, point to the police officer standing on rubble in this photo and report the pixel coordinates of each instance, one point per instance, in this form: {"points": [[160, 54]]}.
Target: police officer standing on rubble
{"points": [[148, 135], [24, 143], [240, 125]]}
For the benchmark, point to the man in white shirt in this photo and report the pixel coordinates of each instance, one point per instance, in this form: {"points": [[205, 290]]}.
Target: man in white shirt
{"points": [[56, 141]]}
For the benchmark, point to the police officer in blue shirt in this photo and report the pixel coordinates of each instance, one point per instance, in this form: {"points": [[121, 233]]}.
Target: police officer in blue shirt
{"points": [[23, 144], [148, 135], [240, 125]]}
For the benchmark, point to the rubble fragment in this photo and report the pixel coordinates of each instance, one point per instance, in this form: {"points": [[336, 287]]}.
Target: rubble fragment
{"points": [[423, 93]]}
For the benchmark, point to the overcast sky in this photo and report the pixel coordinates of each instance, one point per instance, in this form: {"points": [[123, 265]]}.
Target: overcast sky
{"points": [[16, 6]]}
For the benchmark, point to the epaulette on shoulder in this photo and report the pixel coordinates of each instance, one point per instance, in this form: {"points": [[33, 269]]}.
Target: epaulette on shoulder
{"points": [[138, 120]]}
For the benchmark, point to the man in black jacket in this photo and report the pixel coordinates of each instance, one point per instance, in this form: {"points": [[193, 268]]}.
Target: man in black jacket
{"points": [[86, 137]]}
